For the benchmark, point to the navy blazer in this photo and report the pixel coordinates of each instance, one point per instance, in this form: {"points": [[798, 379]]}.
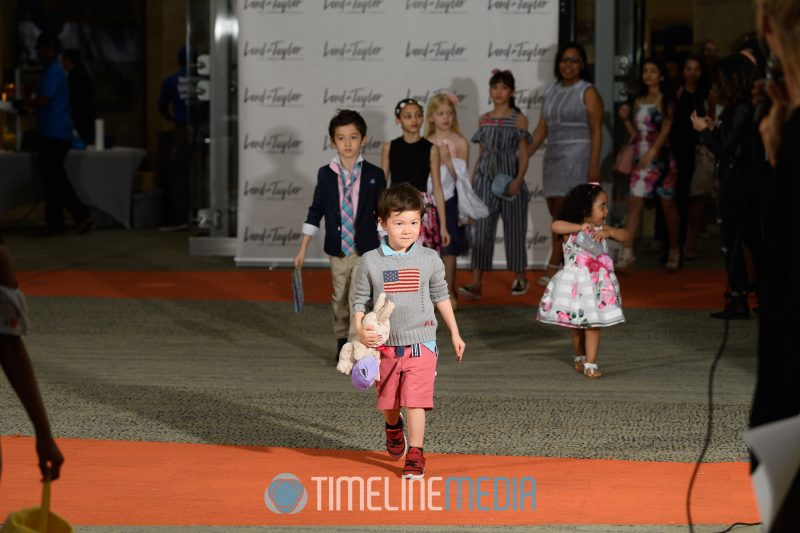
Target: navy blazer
{"points": [[326, 204]]}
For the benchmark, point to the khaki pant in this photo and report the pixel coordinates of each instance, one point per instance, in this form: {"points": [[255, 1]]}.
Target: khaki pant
{"points": [[343, 272]]}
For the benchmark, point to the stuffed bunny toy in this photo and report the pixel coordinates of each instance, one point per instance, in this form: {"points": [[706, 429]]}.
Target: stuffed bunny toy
{"points": [[354, 351]]}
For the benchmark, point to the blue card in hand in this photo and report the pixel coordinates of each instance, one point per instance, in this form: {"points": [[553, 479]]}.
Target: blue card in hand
{"points": [[297, 290]]}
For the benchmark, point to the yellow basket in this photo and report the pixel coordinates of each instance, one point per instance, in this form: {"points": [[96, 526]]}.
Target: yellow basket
{"points": [[37, 519]]}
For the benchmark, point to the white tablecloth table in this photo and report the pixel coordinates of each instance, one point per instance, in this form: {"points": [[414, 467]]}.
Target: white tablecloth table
{"points": [[103, 180]]}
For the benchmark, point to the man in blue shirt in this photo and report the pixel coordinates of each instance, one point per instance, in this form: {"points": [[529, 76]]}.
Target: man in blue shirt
{"points": [[175, 93], [55, 134]]}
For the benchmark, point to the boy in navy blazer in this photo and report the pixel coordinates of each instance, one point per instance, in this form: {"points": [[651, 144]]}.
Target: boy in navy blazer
{"points": [[346, 195]]}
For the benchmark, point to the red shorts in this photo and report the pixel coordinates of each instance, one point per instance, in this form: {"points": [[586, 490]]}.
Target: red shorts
{"points": [[407, 380]]}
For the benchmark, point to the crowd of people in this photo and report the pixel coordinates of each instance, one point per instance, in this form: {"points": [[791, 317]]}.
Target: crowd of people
{"points": [[691, 128]]}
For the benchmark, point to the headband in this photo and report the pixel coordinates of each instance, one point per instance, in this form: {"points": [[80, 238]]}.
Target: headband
{"points": [[404, 102]]}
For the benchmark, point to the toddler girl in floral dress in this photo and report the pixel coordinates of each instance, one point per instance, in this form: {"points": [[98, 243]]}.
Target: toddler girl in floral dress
{"points": [[584, 295]]}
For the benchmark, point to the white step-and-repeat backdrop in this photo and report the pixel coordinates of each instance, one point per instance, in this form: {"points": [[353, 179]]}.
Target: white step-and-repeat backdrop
{"points": [[301, 60]]}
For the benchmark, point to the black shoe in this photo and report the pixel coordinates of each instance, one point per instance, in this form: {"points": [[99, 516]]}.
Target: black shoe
{"points": [[340, 343], [737, 309], [519, 287]]}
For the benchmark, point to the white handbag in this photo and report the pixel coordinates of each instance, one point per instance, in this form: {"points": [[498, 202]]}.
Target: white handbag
{"points": [[470, 205]]}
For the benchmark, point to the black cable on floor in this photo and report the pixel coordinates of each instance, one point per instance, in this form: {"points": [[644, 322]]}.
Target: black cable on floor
{"points": [[738, 524], [737, 249], [709, 428], [709, 425]]}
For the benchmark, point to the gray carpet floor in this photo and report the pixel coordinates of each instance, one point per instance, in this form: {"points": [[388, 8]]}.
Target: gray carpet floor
{"points": [[255, 374], [244, 373]]}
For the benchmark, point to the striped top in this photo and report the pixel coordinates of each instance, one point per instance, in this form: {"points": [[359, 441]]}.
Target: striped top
{"points": [[499, 138]]}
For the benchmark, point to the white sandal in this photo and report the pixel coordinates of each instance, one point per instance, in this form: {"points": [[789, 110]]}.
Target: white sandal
{"points": [[673, 260], [590, 370], [580, 361], [626, 260]]}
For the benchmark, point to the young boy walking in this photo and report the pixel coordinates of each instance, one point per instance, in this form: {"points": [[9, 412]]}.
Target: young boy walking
{"points": [[412, 277], [346, 195]]}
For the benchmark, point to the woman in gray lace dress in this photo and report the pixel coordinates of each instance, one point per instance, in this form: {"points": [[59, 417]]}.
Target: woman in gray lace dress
{"points": [[571, 121]]}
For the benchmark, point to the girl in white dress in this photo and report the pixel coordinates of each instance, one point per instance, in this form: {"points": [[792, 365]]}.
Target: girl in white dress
{"points": [[584, 295]]}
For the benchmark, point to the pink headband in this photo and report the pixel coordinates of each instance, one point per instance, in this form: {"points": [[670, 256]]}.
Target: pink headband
{"points": [[497, 71]]}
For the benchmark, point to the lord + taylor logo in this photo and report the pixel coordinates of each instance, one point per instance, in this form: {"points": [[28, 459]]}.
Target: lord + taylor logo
{"points": [[437, 51], [274, 50], [277, 143], [353, 6], [274, 6], [357, 97], [538, 240], [519, 51], [273, 236], [273, 97], [528, 98], [353, 51], [272, 190], [444, 7], [518, 6]]}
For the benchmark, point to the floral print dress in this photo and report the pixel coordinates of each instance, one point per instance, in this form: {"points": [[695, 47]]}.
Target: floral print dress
{"points": [[660, 177], [585, 292]]}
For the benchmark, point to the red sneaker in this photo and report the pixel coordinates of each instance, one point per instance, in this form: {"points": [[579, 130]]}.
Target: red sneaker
{"points": [[415, 464], [396, 443]]}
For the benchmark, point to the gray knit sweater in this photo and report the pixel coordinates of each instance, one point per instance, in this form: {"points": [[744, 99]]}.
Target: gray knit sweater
{"points": [[414, 282]]}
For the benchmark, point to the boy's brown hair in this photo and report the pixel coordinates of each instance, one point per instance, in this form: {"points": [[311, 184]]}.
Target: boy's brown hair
{"points": [[399, 198]]}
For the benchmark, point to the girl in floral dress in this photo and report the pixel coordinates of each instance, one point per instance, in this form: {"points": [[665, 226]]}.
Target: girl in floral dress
{"points": [[655, 174], [584, 294]]}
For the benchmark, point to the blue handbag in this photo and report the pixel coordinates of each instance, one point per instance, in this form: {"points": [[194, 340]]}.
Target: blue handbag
{"points": [[500, 185]]}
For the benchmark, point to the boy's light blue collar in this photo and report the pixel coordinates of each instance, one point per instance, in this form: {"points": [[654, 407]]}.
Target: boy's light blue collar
{"points": [[388, 250]]}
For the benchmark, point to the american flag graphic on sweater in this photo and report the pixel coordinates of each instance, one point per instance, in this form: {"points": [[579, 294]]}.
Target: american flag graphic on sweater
{"points": [[405, 280]]}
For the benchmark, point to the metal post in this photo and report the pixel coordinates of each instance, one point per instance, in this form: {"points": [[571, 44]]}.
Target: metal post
{"points": [[223, 25]]}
